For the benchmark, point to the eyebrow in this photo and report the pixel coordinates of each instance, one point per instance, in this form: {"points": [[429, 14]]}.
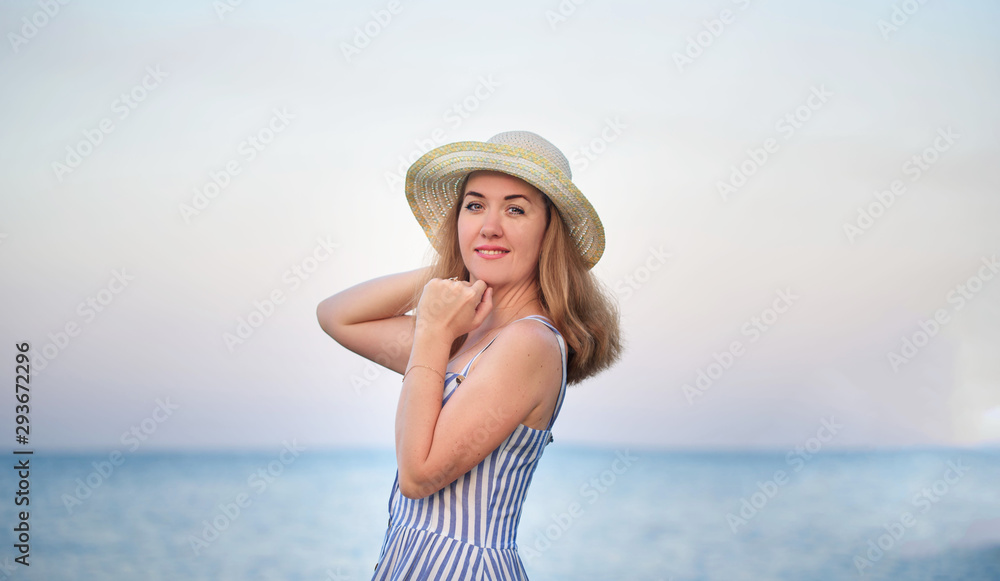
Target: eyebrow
{"points": [[510, 197]]}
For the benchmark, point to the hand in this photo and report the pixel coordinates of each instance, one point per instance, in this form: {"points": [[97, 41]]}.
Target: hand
{"points": [[453, 307]]}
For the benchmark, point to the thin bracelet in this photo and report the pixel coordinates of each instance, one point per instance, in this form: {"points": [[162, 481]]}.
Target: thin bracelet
{"points": [[425, 366]]}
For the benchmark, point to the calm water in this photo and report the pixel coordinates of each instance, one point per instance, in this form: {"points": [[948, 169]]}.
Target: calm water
{"points": [[648, 516]]}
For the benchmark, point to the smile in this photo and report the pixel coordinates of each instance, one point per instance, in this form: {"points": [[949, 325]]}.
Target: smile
{"points": [[491, 254]]}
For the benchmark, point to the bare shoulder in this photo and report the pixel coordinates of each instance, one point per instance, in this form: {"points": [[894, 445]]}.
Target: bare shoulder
{"points": [[528, 349], [536, 336]]}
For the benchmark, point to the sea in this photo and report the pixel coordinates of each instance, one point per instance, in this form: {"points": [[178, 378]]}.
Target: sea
{"points": [[590, 514]]}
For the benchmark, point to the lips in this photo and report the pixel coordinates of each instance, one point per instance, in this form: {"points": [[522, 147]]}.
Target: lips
{"points": [[491, 251]]}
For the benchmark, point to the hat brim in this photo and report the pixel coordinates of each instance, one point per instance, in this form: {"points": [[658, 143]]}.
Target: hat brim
{"points": [[433, 186]]}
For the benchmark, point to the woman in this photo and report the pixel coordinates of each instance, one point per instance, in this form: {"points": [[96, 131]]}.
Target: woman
{"points": [[505, 318]]}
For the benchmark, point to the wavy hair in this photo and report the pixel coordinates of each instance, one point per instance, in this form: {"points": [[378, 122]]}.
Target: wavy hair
{"points": [[576, 302]]}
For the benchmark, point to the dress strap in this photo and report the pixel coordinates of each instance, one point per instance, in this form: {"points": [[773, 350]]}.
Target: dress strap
{"points": [[465, 372], [562, 352]]}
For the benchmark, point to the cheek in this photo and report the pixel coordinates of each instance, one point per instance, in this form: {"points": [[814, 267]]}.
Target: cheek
{"points": [[531, 239], [540, 235], [464, 230]]}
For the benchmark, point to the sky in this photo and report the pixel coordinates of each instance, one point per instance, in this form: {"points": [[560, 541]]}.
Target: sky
{"points": [[800, 202]]}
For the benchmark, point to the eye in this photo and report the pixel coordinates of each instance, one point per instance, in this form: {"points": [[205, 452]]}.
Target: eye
{"points": [[516, 210], [470, 205]]}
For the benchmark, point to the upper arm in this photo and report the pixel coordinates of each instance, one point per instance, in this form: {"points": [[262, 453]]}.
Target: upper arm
{"points": [[512, 377], [384, 341]]}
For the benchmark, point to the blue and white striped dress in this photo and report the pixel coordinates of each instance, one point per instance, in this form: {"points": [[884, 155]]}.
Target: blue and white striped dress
{"points": [[468, 529]]}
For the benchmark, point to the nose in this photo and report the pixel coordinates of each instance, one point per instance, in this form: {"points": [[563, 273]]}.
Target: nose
{"points": [[491, 225]]}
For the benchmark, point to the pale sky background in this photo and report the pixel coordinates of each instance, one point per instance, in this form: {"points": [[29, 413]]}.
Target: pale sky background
{"points": [[324, 176]]}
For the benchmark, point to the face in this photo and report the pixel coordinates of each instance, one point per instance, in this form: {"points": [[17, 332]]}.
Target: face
{"points": [[500, 228]]}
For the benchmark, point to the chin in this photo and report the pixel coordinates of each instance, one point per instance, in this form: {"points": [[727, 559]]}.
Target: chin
{"points": [[488, 279], [494, 276]]}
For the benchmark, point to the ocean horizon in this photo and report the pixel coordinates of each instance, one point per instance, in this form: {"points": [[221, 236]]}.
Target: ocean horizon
{"points": [[590, 514]]}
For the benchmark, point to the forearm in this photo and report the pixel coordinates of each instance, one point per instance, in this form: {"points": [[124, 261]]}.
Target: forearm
{"points": [[379, 298], [420, 405]]}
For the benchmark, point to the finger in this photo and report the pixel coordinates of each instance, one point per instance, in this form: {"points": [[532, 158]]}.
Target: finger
{"points": [[484, 307]]}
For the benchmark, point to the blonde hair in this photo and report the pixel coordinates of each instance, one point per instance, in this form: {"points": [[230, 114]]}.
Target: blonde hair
{"points": [[576, 302]]}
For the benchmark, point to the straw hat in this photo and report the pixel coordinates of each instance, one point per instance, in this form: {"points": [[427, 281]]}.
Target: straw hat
{"points": [[434, 182]]}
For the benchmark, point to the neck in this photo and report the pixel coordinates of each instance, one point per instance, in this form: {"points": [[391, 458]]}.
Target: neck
{"points": [[511, 301]]}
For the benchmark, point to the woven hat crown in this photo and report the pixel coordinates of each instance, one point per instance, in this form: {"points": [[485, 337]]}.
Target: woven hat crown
{"points": [[535, 144]]}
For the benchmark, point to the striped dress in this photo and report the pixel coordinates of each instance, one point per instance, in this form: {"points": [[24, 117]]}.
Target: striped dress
{"points": [[468, 529]]}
